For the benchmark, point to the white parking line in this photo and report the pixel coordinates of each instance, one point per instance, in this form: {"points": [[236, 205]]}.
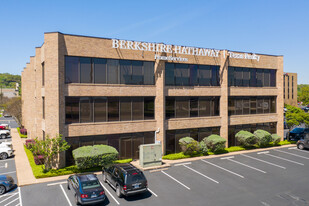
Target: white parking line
{"points": [[109, 193], [11, 202], [263, 161], [57, 183], [201, 174], [8, 197], [292, 148], [230, 159], [176, 180], [223, 169], [299, 150], [152, 192], [292, 154], [20, 201], [7, 173], [283, 159], [65, 194], [8, 194], [181, 164], [6, 160]]}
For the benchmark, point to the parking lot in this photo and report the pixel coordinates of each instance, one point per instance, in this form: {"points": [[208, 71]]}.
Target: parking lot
{"points": [[274, 177]]}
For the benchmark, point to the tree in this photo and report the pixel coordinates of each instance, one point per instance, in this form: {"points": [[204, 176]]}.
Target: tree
{"points": [[303, 95], [296, 116], [50, 148], [13, 106]]}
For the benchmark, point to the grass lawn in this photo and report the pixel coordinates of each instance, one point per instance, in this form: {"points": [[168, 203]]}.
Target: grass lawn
{"points": [[181, 155], [21, 135], [38, 170]]}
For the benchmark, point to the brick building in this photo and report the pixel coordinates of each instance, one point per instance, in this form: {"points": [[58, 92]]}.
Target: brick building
{"points": [[126, 93], [290, 88]]}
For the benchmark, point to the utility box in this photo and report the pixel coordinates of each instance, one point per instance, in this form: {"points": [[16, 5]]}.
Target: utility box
{"points": [[150, 155]]}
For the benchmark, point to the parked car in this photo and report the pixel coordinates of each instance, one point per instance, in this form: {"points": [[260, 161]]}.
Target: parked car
{"points": [[297, 134], [286, 125], [87, 189], [125, 179], [6, 150], [303, 143], [6, 183], [6, 114]]}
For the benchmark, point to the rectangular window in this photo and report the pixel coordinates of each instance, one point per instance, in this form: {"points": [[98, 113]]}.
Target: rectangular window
{"points": [[193, 69], [86, 109], [182, 75], [125, 71], [43, 74], [292, 87], [170, 142], [238, 77], [252, 77], [100, 113], [273, 105], [266, 105], [125, 109], [85, 70], [71, 69], [148, 108], [259, 77], [204, 75], [137, 73], [252, 105], [193, 107], [231, 106], [259, 105], [99, 71], [272, 78], [214, 76], [71, 110], [170, 107], [113, 109], [246, 106], [112, 71], [204, 107], [231, 76], [246, 77], [216, 106], [137, 108], [149, 73], [182, 107], [238, 106], [169, 74], [266, 78], [43, 107]]}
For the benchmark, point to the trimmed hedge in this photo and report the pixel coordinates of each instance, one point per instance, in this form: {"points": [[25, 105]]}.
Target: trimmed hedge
{"points": [[215, 142], [188, 145], [246, 138], [275, 138], [29, 143], [264, 137], [203, 148], [94, 156], [22, 135]]}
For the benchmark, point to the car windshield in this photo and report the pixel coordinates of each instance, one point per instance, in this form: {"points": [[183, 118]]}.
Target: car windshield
{"points": [[298, 130], [90, 184], [135, 177]]}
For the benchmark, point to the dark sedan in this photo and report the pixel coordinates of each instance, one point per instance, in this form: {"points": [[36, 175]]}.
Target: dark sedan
{"points": [[86, 188], [6, 183], [297, 134]]}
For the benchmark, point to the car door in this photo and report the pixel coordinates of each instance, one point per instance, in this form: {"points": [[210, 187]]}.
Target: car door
{"points": [[109, 173], [306, 142], [75, 184], [115, 176]]}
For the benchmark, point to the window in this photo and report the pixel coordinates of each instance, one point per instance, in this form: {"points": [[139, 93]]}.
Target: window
{"points": [[181, 75], [238, 76], [100, 105], [204, 107], [112, 71], [169, 74], [71, 110], [182, 107], [246, 77], [259, 77], [125, 109], [194, 107], [266, 82], [137, 73], [113, 109], [193, 69], [71, 69], [86, 110], [252, 105], [43, 107], [204, 75], [252, 77], [125, 72], [137, 108], [85, 70], [170, 107], [149, 73], [99, 71], [215, 76], [231, 76], [272, 78], [148, 108], [292, 87], [246, 106], [43, 74]]}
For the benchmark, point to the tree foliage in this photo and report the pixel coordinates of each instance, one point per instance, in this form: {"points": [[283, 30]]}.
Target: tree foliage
{"points": [[296, 116], [13, 107], [303, 93], [50, 149], [9, 80]]}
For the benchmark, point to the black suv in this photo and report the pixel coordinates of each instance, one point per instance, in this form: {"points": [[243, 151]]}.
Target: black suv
{"points": [[297, 134], [125, 179], [303, 143]]}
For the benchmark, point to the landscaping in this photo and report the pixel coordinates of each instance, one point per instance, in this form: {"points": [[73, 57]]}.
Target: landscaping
{"points": [[21, 133]]}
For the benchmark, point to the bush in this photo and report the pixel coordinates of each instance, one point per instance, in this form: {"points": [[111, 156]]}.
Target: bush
{"points": [[188, 145], [203, 148], [275, 138], [180, 155], [29, 143], [246, 138], [23, 131], [39, 159], [123, 161], [20, 134], [94, 156], [264, 137], [215, 142]]}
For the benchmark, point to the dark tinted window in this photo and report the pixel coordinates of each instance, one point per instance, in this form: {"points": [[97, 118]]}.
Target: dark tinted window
{"points": [[86, 110], [125, 72], [71, 110], [231, 76], [169, 74], [113, 109], [204, 75], [215, 76], [194, 107], [193, 69], [259, 77], [85, 70], [99, 71], [238, 76], [71, 69], [100, 109], [266, 82], [252, 77], [112, 71], [182, 75], [170, 107], [135, 178], [272, 78], [204, 106], [182, 107], [246, 77], [149, 73], [125, 109], [148, 108], [137, 73], [137, 108]]}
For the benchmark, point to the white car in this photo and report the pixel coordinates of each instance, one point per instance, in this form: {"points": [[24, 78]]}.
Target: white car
{"points": [[6, 150], [5, 131]]}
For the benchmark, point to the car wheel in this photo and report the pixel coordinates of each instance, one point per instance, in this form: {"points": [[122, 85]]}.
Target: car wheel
{"points": [[76, 200], [2, 189], [300, 146], [3, 136], [104, 177], [118, 192], [3, 155]]}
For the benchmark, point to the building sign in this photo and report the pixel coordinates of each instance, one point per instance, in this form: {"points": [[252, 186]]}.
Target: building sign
{"points": [[168, 48]]}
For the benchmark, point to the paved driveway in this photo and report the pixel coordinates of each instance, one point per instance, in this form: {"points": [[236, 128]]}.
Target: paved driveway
{"points": [[275, 177]]}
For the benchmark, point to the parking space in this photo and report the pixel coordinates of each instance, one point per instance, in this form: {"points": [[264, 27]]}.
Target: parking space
{"points": [[268, 178]]}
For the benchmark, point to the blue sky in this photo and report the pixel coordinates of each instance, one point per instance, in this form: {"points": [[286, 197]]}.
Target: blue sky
{"points": [[265, 26]]}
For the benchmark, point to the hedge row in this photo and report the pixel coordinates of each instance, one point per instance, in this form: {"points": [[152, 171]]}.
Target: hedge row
{"points": [[260, 137]]}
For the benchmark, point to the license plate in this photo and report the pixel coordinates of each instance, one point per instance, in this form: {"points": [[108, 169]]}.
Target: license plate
{"points": [[93, 196], [136, 186]]}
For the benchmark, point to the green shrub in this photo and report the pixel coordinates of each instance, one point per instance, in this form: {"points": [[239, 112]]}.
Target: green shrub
{"points": [[188, 145], [203, 148], [275, 138], [21, 135], [215, 142], [94, 156], [180, 155], [123, 161], [264, 137], [246, 138]]}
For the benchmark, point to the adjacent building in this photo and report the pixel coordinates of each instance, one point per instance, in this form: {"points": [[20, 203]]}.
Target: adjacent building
{"points": [[290, 88], [126, 93]]}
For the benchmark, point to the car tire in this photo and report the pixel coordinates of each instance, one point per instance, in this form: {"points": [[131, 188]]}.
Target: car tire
{"points": [[76, 200], [104, 177], [301, 146], [118, 191], [2, 189], [3, 136], [3, 155]]}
